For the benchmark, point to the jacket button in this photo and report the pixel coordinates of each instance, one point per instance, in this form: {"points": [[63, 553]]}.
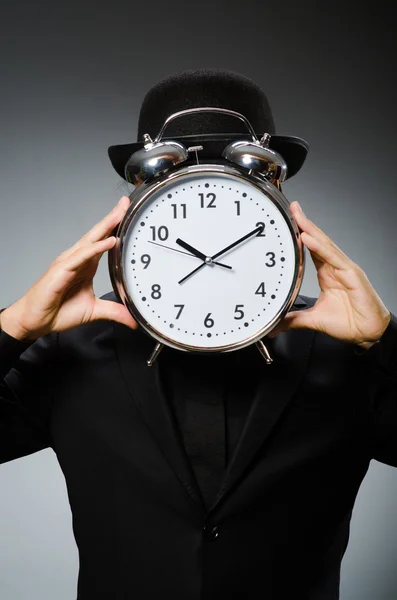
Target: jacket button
{"points": [[211, 532]]}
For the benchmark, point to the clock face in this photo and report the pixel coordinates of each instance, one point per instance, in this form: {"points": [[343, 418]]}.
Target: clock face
{"points": [[189, 299]]}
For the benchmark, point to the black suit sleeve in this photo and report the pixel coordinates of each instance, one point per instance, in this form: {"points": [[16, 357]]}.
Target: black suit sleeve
{"points": [[381, 363], [26, 372]]}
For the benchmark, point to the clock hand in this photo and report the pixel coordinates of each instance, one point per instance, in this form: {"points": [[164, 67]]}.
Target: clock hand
{"points": [[169, 248], [242, 239], [191, 249], [187, 253], [199, 254], [192, 273]]}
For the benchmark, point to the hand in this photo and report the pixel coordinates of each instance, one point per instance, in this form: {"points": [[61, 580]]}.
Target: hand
{"points": [[64, 297], [348, 308]]}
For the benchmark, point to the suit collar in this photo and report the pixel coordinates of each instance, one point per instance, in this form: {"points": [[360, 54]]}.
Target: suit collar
{"points": [[299, 302]]}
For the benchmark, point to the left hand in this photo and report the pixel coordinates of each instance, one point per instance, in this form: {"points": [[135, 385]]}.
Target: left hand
{"points": [[348, 307]]}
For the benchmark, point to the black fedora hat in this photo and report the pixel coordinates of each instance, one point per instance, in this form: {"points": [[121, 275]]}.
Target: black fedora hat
{"points": [[209, 88]]}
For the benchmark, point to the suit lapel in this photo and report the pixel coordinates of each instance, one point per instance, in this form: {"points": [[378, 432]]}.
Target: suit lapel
{"points": [[290, 352], [144, 385]]}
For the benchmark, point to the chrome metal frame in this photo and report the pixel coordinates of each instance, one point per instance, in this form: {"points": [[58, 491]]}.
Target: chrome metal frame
{"points": [[207, 109], [143, 193]]}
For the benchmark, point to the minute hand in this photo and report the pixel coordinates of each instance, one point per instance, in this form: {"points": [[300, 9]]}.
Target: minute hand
{"points": [[245, 237], [242, 239]]}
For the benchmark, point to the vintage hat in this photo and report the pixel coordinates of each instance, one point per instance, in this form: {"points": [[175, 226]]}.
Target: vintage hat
{"points": [[209, 88]]}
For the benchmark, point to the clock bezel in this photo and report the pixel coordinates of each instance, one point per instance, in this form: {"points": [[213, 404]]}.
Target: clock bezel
{"points": [[143, 193]]}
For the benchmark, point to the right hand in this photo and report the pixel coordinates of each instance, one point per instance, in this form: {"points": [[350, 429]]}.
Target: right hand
{"points": [[64, 297]]}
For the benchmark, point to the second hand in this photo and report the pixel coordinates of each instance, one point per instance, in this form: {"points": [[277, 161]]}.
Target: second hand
{"points": [[170, 248], [188, 253]]}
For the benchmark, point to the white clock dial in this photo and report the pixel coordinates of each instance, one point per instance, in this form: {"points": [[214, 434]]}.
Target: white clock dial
{"points": [[216, 306]]}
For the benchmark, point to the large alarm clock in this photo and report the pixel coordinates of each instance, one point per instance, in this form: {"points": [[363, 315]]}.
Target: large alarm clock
{"points": [[208, 257]]}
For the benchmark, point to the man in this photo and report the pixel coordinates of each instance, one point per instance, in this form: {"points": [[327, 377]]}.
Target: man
{"points": [[203, 477]]}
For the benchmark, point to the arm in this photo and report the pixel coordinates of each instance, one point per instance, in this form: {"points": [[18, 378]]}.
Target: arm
{"points": [[25, 371], [63, 298], [350, 309], [382, 354], [381, 363]]}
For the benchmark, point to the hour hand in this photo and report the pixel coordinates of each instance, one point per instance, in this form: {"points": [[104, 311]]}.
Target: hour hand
{"points": [[191, 249], [207, 259]]}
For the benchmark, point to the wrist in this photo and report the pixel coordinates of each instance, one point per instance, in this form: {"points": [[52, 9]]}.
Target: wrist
{"points": [[368, 345], [10, 325]]}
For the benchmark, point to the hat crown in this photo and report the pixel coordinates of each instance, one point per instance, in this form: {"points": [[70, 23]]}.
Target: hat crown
{"points": [[204, 87], [214, 88]]}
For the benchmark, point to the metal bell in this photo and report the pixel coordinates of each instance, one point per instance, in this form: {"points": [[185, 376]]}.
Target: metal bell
{"points": [[154, 159], [257, 157]]}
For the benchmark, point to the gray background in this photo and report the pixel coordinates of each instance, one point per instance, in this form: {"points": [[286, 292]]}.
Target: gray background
{"points": [[72, 81]]}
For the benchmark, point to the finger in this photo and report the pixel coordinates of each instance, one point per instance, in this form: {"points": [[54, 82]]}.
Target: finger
{"points": [[298, 319], [307, 225], [102, 229], [325, 246], [82, 255], [60, 274], [326, 253], [105, 227], [113, 311], [316, 260]]}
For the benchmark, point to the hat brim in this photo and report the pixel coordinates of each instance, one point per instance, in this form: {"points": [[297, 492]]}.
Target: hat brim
{"points": [[293, 149]]}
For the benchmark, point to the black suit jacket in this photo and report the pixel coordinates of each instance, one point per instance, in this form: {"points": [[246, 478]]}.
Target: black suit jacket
{"points": [[279, 525]]}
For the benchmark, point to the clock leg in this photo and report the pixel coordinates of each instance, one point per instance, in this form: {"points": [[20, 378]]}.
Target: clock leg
{"points": [[157, 349], [264, 351]]}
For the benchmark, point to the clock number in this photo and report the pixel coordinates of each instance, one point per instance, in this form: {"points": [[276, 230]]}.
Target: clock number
{"points": [[156, 294], [145, 258], [162, 232], [261, 289], [174, 207], [181, 307], [272, 255], [238, 311], [238, 207], [261, 233], [208, 322], [211, 202]]}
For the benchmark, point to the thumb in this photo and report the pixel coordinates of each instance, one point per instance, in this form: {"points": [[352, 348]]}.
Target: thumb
{"points": [[114, 311], [297, 319]]}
